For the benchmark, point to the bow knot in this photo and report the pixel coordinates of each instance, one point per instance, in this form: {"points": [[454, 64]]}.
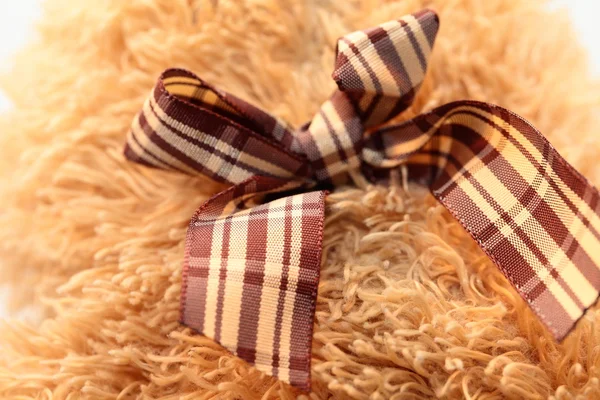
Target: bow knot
{"points": [[377, 75], [253, 251]]}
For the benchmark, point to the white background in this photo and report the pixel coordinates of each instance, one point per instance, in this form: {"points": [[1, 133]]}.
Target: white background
{"points": [[17, 21]]}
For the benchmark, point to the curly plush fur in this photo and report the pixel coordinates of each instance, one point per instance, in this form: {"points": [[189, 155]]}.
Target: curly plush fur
{"points": [[408, 306]]}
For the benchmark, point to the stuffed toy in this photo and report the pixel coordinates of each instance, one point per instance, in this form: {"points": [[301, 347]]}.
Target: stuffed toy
{"points": [[98, 260]]}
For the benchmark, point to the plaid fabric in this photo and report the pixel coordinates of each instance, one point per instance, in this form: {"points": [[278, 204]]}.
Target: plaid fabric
{"points": [[190, 127], [253, 252], [529, 210], [377, 70], [251, 275]]}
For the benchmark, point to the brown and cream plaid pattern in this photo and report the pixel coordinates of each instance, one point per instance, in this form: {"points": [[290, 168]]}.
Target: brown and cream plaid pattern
{"points": [[251, 276], [253, 251]]}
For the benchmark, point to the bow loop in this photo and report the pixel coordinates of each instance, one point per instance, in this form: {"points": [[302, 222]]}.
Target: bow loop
{"points": [[188, 126], [381, 68]]}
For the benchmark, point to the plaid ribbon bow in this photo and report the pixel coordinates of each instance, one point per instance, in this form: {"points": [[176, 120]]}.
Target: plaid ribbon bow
{"points": [[253, 251]]}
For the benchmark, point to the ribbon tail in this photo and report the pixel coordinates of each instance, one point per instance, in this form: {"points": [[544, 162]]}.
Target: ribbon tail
{"points": [[251, 274], [530, 211]]}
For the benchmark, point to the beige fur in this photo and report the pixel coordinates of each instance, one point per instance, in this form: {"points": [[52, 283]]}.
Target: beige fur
{"points": [[408, 306]]}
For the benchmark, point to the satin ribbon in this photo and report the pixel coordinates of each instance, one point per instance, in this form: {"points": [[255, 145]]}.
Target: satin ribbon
{"points": [[253, 251]]}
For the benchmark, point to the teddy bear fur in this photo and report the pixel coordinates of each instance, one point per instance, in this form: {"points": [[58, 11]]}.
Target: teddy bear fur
{"points": [[408, 308]]}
